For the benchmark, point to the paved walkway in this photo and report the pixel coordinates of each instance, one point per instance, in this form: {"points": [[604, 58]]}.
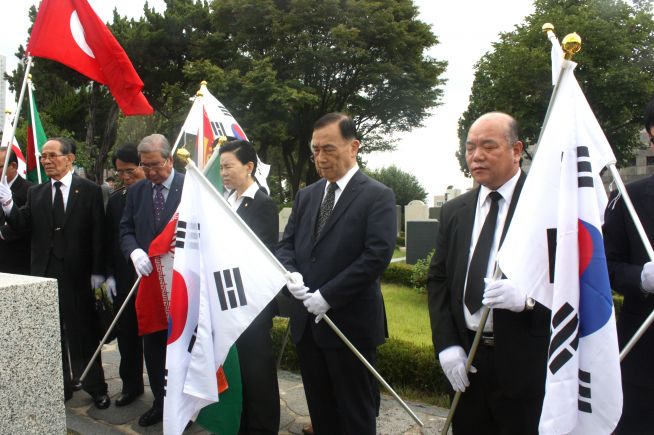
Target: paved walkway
{"points": [[83, 418]]}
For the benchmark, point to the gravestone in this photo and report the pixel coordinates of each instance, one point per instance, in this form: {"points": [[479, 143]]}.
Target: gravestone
{"points": [[435, 213], [420, 239], [416, 210], [284, 215], [398, 218], [31, 383]]}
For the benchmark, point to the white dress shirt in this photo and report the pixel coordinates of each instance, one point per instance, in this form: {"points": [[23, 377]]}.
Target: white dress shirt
{"points": [[483, 207], [235, 202], [166, 184], [341, 183], [65, 187]]}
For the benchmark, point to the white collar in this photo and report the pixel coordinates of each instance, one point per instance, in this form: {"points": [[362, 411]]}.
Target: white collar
{"points": [[506, 190], [66, 180], [251, 191], [342, 182]]}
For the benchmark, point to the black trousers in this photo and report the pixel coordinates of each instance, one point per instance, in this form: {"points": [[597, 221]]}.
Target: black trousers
{"points": [[260, 413], [637, 410], [485, 409], [130, 346], [154, 350], [342, 395], [79, 332]]}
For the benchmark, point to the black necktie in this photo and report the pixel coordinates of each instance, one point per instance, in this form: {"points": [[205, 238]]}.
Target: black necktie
{"points": [[58, 217], [479, 262], [326, 207]]}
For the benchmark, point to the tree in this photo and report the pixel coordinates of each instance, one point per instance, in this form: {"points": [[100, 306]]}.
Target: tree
{"points": [[405, 186], [615, 69]]}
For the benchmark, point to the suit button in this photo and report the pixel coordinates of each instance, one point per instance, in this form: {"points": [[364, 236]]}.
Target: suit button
{"points": [[312, 259]]}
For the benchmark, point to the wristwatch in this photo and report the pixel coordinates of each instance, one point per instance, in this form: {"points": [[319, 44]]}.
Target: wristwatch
{"points": [[530, 303]]}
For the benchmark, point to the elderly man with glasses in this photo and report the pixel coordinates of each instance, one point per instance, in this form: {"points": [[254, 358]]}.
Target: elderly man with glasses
{"points": [[149, 205], [66, 222]]}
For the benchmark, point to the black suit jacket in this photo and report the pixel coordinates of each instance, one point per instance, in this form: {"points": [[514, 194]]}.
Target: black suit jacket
{"points": [[117, 265], [15, 245], [625, 255], [521, 339], [345, 262], [137, 227], [83, 231], [260, 213]]}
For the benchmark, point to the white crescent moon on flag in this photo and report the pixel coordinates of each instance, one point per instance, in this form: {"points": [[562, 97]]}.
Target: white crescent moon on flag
{"points": [[77, 31]]}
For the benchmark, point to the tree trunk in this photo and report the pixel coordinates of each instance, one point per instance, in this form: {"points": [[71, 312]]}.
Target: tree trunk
{"points": [[107, 141], [90, 128]]}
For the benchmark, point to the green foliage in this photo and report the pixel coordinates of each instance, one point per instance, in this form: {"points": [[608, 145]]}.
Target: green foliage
{"points": [[615, 69], [401, 241], [419, 273], [398, 273], [405, 185]]}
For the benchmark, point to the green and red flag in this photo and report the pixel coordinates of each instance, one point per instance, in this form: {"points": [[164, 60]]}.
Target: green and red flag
{"points": [[36, 138]]}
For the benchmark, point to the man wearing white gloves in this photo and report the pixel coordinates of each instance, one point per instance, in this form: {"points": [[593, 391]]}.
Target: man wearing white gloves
{"points": [[504, 389], [65, 219], [149, 205], [339, 239], [631, 272], [121, 277]]}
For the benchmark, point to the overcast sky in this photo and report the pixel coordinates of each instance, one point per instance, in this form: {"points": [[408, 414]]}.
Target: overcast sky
{"points": [[465, 29]]}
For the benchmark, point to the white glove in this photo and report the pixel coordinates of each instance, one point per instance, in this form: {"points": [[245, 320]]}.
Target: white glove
{"points": [[295, 285], [316, 305], [5, 194], [503, 294], [453, 362], [111, 287], [647, 277], [141, 262], [96, 281]]}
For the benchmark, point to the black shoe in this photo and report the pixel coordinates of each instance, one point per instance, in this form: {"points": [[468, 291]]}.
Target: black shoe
{"points": [[77, 384], [151, 416], [101, 401], [127, 398]]}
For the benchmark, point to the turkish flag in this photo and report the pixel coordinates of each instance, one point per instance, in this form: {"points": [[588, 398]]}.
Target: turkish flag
{"points": [[70, 32]]}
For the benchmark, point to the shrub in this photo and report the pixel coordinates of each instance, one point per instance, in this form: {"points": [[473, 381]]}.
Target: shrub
{"points": [[401, 241], [398, 273], [419, 273]]}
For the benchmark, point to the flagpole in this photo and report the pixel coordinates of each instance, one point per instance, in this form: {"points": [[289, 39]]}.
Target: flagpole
{"points": [[12, 129], [648, 247], [111, 328], [182, 131], [471, 355], [37, 153], [192, 167]]}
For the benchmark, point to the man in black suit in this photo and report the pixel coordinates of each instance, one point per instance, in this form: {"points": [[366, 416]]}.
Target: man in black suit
{"points": [[338, 241], [150, 204], [121, 277], [65, 218], [632, 274], [505, 393], [14, 246]]}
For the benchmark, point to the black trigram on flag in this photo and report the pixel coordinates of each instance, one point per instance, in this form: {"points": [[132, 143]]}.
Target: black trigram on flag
{"points": [[584, 392], [192, 341], [584, 168], [165, 380], [218, 129], [188, 234], [230, 286], [224, 110], [565, 337]]}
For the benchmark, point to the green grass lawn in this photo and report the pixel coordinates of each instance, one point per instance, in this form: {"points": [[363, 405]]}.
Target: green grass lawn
{"points": [[397, 253], [408, 317]]}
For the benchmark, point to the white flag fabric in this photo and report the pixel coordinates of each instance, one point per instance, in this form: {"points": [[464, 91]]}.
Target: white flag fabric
{"points": [[223, 278], [222, 123], [554, 249]]}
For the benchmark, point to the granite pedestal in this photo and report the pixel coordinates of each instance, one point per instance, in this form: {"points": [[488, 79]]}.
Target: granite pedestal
{"points": [[31, 384]]}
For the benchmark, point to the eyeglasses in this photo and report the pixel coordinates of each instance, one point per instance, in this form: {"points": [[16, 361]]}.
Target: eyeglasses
{"points": [[50, 156], [150, 166], [128, 171]]}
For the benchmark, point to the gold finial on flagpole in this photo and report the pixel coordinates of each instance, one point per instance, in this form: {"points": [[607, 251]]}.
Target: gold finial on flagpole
{"points": [[183, 155], [7, 111], [222, 140], [548, 27], [571, 45]]}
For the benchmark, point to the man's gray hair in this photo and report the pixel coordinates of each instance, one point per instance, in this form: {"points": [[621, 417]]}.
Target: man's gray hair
{"points": [[153, 143]]}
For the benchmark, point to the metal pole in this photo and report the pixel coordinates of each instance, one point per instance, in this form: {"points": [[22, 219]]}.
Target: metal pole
{"points": [[37, 152], [12, 129], [471, 355], [192, 167], [111, 327], [283, 346], [648, 247]]}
